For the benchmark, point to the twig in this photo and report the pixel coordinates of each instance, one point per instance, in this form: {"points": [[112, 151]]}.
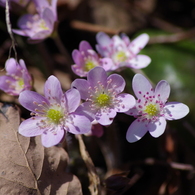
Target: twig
{"points": [[92, 27], [174, 165], [94, 186], [173, 38], [9, 29]]}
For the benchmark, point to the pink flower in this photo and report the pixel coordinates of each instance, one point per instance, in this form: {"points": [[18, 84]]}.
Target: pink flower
{"points": [[152, 109], [86, 58], [123, 52], [53, 114], [102, 95], [17, 79], [39, 26]]}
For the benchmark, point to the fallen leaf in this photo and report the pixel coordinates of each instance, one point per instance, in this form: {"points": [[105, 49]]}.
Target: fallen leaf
{"points": [[26, 167]]}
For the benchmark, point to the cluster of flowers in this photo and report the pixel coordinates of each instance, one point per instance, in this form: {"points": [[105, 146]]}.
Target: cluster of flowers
{"points": [[96, 99]]}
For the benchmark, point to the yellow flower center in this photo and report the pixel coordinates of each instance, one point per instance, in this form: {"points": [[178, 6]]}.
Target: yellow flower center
{"points": [[54, 115], [151, 109], [19, 84], [42, 25], [89, 65], [103, 99], [121, 56]]}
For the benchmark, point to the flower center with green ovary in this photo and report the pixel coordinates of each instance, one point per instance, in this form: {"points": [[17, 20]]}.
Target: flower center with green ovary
{"points": [[54, 115], [89, 65], [151, 109], [19, 84], [120, 56], [103, 99]]}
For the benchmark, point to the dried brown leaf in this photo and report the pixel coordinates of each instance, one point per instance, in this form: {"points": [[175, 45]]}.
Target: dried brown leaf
{"points": [[26, 167]]}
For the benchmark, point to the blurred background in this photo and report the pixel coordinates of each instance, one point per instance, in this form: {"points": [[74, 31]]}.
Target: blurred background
{"points": [[163, 166]]}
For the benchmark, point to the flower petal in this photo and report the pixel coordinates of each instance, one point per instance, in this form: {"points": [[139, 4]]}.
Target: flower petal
{"points": [[138, 62], [157, 129], [139, 43], [79, 125], [103, 39], [29, 127], [136, 131], [82, 85], [31, 101], [49, 138], [127, 102], [52, 89], [77, 57], [73, 99], [162, 90], [84, 46], [11, 66], [106, 63], [117, 82], [175, 110], [96, 75], [85, 110], [105, 118], [141, 85]]}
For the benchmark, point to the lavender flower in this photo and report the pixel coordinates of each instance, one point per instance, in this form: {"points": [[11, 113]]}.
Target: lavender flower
{"points": [[103, 95], [151, 109], [122, 51], [17, 79], [53, 114], [86, 58], [39, 26]]}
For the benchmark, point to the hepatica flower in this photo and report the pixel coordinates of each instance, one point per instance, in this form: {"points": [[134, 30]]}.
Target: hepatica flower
{"points": [[17, 78], [102, 95], [123, 52], [39, 26], [86, 59], [152, 109], [53, 114]]}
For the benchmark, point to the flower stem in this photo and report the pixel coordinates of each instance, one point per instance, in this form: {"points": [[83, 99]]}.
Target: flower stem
{"points": [[94, 186]]}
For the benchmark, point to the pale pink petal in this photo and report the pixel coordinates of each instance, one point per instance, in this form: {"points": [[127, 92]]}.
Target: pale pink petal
{"points": [[133, 112], [50, 138], [29, 127], [162, 90], [79, 125], [103, 39], [23, 20], [52, 89], [97, 74], [83, 86], [31, 101], [11, 66], [125, 38], [106, 63], [85, 110], [48, 16], [175, 110], [84, 46], [136, 131], [127, 102], [117, 82], [139, 43], [73, 99], [105, 118], [77, 57], [157, 129], [138, 62], [54, 7], [23, 32], [141, 86]]}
